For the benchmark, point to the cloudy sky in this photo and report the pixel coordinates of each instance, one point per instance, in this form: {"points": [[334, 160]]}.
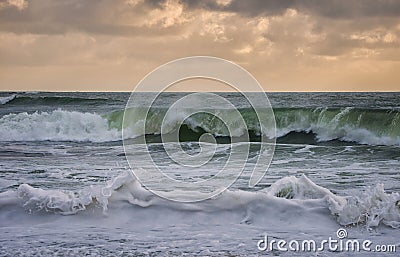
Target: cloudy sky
{"points": [[288, 45]]}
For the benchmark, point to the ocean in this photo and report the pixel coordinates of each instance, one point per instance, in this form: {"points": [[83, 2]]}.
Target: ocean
{"points": [[67, 187]]}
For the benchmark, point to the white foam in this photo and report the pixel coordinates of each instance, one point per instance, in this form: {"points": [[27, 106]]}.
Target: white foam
{"points": [[57, 125], [372, 207], [327, 130]]}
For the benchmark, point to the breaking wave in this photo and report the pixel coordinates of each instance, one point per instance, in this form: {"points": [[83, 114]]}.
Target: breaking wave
{"points": [[371, 207], [57, 125], [34, 99], [363, 126], [6, 99]]}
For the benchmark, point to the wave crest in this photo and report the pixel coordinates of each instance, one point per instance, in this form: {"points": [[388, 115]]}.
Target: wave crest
{"points": [[371, 207], [373, 127], [57, 125], [6, 99]]}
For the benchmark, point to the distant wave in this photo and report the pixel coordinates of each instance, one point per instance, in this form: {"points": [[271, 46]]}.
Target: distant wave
{"points": [[371, 207], [6, 99], [31, 98], [363, 126]]}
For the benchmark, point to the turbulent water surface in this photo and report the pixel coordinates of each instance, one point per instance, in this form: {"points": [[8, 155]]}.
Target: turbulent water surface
{"points": [[66, 187]]}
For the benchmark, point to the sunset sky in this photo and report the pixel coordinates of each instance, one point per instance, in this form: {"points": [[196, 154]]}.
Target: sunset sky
{"points": [[288, 45]]}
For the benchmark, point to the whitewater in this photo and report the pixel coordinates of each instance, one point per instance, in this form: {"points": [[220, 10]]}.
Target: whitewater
{"points": [[373, 127], [66, 187]]}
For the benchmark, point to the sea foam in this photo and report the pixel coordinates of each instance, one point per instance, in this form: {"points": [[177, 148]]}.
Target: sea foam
{"points": [[371, 207], [57, 125]]}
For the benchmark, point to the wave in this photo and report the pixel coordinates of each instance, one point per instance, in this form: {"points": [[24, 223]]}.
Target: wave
{"points": [[35, 99], [371, 207], [57, 125], [363, 126], [6, 99]]}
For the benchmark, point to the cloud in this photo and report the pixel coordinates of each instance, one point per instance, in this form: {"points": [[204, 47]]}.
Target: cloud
{"points": [[324, 8], [282, 42], [351, 8]]}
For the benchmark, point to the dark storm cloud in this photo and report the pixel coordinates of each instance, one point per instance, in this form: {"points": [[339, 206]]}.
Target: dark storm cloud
{"points": [[52, 17], [325, 8], [101, 16], [57, 17], [351, 8]]}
